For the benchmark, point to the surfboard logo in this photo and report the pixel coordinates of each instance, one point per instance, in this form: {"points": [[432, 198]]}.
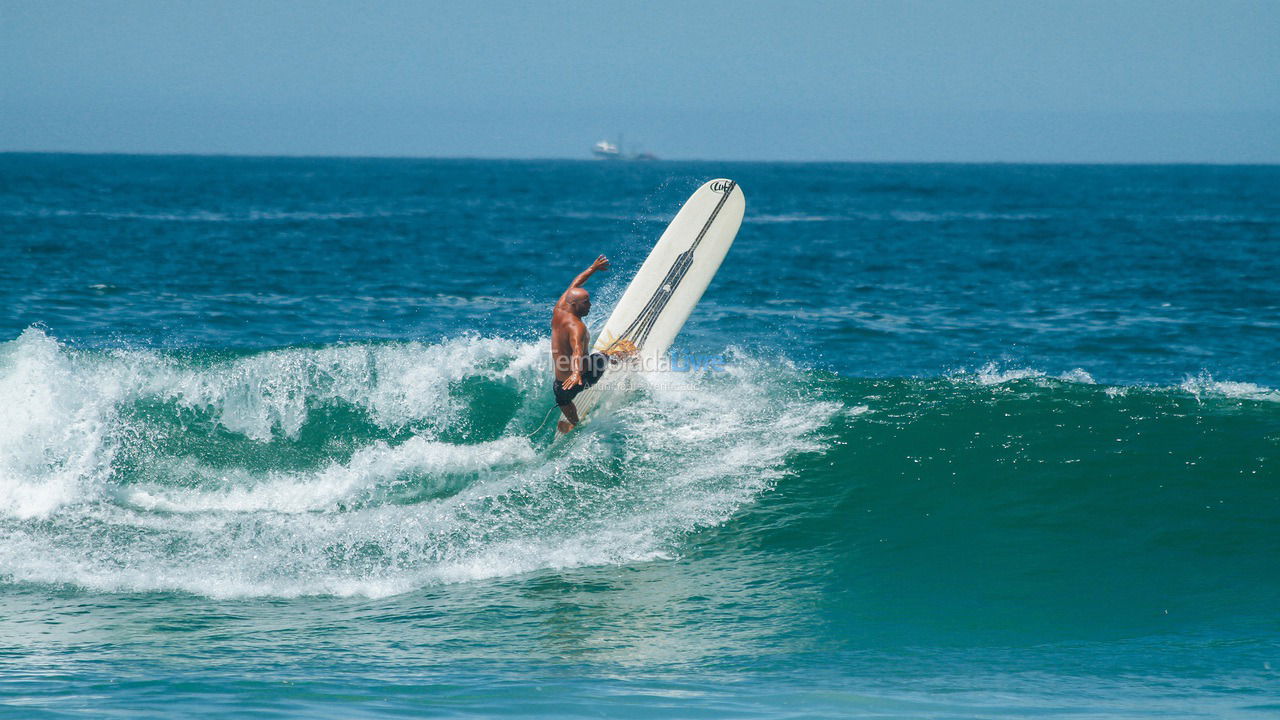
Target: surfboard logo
{"points": [[617, 347], [722, 186]]}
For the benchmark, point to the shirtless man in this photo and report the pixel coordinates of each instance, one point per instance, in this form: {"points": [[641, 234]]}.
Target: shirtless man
{"points": [[574, 369]]}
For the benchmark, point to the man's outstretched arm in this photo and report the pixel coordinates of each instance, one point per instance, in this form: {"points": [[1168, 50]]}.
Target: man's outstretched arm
{"points": [[601, 263]]}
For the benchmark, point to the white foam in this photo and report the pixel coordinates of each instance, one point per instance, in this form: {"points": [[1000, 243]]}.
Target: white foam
{"points": [[369, 469], [268, 395], [1078, 375], [51, 431], [62, 423], [688, 451], [1203, 385], [992, 374]]}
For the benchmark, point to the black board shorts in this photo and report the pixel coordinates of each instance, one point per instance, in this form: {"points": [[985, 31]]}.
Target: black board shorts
{"points": [[593, 367]]}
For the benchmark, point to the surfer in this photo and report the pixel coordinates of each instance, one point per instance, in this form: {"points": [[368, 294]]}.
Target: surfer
{"points": [[573, 368]]}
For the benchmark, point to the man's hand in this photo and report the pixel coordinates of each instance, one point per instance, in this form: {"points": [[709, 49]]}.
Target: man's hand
{"points": [[601, 263], [573, 380]]}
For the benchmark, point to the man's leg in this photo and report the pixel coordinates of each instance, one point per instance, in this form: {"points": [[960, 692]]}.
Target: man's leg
{"points": [[570, 417]]}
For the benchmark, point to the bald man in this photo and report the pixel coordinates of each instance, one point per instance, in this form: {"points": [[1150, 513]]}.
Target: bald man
{"points": [[574, 369]]}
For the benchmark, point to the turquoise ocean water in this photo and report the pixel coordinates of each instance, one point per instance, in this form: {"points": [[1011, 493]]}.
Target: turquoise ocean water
{"points": [[980, 441]]}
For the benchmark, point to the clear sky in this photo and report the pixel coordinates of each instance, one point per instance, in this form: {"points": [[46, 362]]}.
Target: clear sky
{"points": [[1037, 80]]}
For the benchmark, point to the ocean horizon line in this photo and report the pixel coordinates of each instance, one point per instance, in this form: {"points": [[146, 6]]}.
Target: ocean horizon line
{"points": [[649, 161]]}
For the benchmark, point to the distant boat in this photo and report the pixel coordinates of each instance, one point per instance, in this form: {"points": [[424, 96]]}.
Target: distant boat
{"points": [[606, 149], [613, 151]]}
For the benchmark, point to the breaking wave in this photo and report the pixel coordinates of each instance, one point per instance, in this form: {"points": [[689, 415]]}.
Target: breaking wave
{"points": [[377, 469], [360, 469]]}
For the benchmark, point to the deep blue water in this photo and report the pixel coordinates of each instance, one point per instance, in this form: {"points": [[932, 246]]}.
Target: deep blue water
{"points": [[989, 441]]}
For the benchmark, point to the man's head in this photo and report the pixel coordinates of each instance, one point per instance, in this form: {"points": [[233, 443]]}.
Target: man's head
{"points": [[579, 301]]}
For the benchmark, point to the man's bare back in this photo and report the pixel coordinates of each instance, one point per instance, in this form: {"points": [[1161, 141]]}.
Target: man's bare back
{"points": [[573, 369]]}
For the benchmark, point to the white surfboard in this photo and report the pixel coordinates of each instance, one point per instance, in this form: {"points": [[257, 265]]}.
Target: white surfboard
{"points": [[669, 284]]}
